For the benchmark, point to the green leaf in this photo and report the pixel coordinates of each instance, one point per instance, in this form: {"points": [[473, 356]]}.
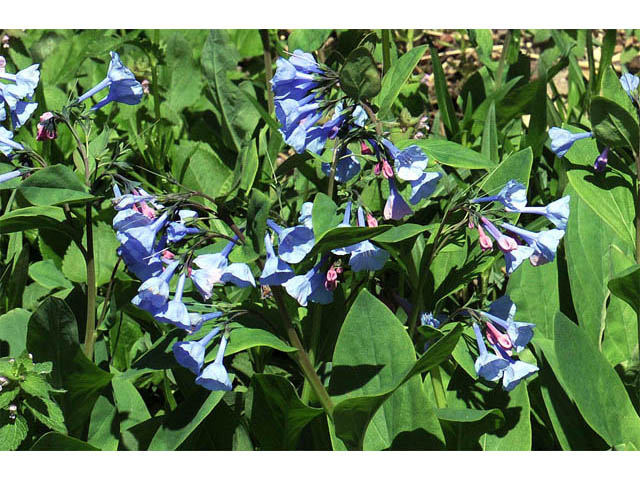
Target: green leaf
{"points": [[610, 197], [613, 125], [105, 243], [468, 415], [180, 423], [372, 366], [103, 426], [31, 217], [47, 412], [449, 153], [396, 77], [238, 118], [35, 385], [243, 338], [516, 166], [250, 166], [612, 89], [445, 104], [626, 286], [324, 214], [184, 80], [130, 405], [518, 417], [59, 442], [603, 400], [48, 275], [198, 167], [13, 434], [535, 292], [401, 232], [278, 415], [359, 76], [490, 136], [13, 332], [306, 39], [54, 185]]}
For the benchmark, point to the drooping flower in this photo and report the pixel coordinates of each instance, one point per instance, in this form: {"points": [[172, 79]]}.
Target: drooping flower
{"points": [[7, 145], [424, 186], [514, 254], [309, 287], [47, 127], [513, 196], [544, 243], [294, 242], [275, 271], [409, 163], [215, 269], [601, 162], [176, 231], [175, 311], [198, 319], [629, 83], [365, 255], [153, 293], [347, 167], [215, 377], [557, 212], [562, 140], [191, 354], [122, 84], [487, 365], [396, 207]]}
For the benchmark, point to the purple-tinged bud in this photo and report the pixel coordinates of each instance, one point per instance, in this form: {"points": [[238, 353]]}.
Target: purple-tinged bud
{"points": [[601, 162]]}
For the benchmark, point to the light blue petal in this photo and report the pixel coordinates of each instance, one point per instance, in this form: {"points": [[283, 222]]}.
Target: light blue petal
{"points": [[215, 378], [424, 186], [515, 373], [190, 355], [295, 243], [368, 257], [239, 274], [490, 366]]}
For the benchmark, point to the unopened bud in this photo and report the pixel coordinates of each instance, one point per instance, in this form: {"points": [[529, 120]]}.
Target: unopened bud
{"points": [[371, 221]]}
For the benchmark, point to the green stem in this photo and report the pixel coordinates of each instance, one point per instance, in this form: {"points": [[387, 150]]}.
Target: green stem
{"points": [[332, 175], [592, 64], [89, 338], [268, 68], [386, 51], [438, 387]]}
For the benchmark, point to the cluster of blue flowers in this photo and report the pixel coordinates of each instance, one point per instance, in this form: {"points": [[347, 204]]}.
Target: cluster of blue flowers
{"points": [[506, 337], [294, 243], [541, 246], [145, 238]]}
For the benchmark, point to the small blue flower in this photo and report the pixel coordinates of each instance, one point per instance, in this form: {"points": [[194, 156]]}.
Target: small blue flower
{"points": [[191, 354], [562, 140], [629, 83], [276, 271], [487, 365], [215, 377], [294, 242], [309, 287], [138, 242], [198, 319], [5, 177], [409, 162], [347, 167], [215, 269], [396, 207], [557, 212], [175, 312], [515, 372], [544, 243], [424, 186], [305, 215], [7, 145], [122, 83], [365, 255], [154, 292], [513, 196]]}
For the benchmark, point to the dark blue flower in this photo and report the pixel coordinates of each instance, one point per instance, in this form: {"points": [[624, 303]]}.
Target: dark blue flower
{"points": [[153, 293]]}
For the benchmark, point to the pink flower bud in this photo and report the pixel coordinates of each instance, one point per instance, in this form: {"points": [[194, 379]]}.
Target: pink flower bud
{"points": [[365, 149], [168, 255], [371, 221], [485, 241], [387, 170], [496, 337], [331, 282], [147, 211], [507, 244], [145, 85], [377, 169], [47, 127]]}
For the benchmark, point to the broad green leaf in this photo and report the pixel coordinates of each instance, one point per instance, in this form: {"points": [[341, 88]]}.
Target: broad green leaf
{"points": [[359, 76], [534, 290], [490, 136], [239, 119], [449, 153], [342, 237], [396, 77], [131, 407], [515, 167], [324, 214], [612, 89], [48, 275], [54, 185], [47, 412], [613, 125], [13, 434], [306, 39], [105, 243], [250, 166], [401, 232], [372, 366], [198, 167], [518, 418], [609, 196], [603, 400], [243, 338], [184, 79], [13, 332], [278, 415], [626, 286], [247, 41], [467, 415], [103, 426], [31, 217], [180, 423], [59, 442]]}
